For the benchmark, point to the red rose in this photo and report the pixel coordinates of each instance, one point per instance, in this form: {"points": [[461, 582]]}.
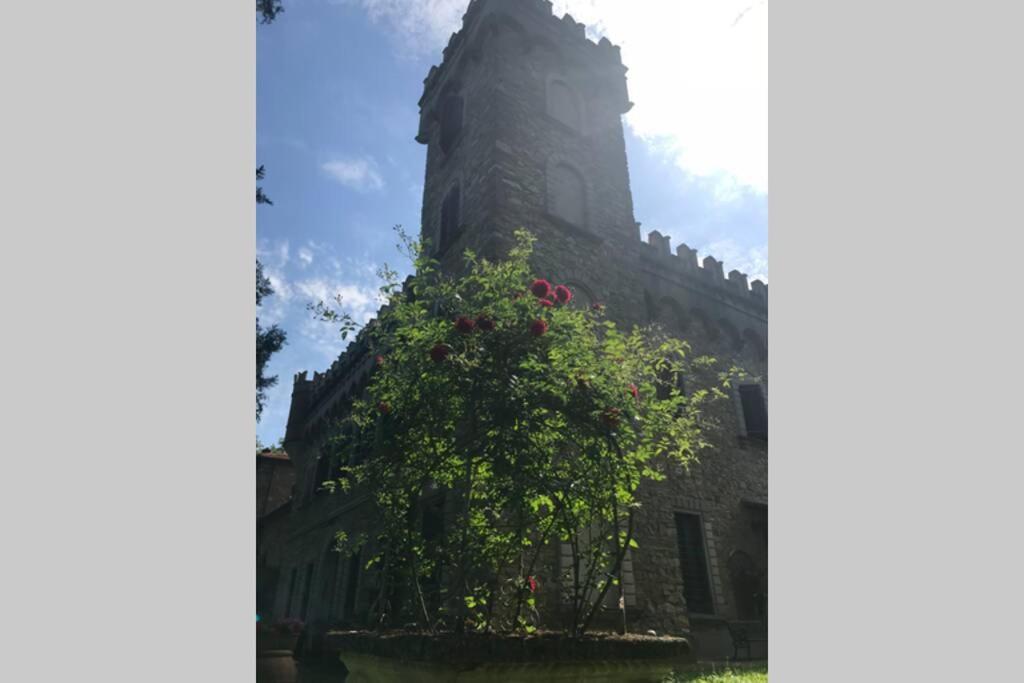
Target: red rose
{"points": [[379, 360], [439, 353], [384, 408], [538, 328], [532, 581], [611, 417], [546, 303], [541, 288], [563, 294], [464, 325], [485, 324], [634, 391]]}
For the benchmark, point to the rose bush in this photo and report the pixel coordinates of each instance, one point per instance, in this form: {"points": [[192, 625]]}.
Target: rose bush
{"points": [[537, 424]]}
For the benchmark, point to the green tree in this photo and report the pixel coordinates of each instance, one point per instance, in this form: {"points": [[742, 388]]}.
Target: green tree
{"points": [[262, 198], [540, 421], [268, 342], [268, 10]]}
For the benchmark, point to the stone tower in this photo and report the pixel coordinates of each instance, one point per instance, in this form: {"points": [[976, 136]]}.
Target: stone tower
{"points": [[523, 127]]}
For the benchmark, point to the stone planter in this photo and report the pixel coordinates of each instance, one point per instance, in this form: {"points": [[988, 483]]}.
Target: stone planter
{"points": [[401, 657], [274, 657]]}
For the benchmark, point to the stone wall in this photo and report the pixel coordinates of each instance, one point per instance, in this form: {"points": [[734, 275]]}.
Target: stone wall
{"points": [[274, 481]]}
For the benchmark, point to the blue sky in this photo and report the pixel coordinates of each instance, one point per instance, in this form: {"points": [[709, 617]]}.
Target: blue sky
{"points": [[337, 87]]}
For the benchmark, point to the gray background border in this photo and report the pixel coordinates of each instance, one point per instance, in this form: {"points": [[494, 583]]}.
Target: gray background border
{"points": [[127, 132]]}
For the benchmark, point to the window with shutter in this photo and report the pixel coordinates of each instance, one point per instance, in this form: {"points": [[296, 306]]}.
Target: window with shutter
{"points": [[755, 415], [451, 121], [693, 562]]}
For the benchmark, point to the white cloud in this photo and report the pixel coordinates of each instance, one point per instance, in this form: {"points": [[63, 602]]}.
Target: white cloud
{"points": [[275, 257], [273, 254], [425, 25], [696, 73], [360, 175], [357, 297], [305, 256], [697, 77], [360, 301]]}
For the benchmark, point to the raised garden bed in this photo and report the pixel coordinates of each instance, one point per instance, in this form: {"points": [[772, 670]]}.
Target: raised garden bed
{"points": [[394, 657]]}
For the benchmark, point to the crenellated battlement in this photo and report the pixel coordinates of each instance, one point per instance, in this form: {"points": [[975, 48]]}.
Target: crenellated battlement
{"points": [[522, 14], [710, 271]]}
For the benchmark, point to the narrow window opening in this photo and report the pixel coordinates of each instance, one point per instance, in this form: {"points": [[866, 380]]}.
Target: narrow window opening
{"points": [[451, 121], [323, 473], [693, 562], [433, 534], [306, 589], [289, 607], [450, 218], [755, 415], [352, 582]]}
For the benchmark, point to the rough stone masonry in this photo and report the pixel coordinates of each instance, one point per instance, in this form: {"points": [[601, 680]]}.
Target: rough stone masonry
{"points": [[523, 127]]}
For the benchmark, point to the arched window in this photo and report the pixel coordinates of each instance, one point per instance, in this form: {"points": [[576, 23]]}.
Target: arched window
{"points": [[563, 105], [452, 107], [567, 195]]}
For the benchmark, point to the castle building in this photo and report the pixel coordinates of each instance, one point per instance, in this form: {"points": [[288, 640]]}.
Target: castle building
{"points": [[523, 127]]}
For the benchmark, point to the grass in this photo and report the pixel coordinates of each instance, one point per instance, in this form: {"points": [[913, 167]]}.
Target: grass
{"points": [[752, 675]]}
